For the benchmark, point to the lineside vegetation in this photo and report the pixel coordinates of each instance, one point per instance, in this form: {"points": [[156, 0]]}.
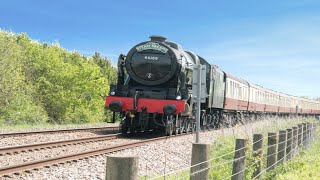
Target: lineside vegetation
{"points": [[297, 168], [306, 166], [45, 83]]}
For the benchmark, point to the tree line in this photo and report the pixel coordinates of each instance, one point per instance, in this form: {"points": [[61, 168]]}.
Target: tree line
{"points": [[41, 82]]}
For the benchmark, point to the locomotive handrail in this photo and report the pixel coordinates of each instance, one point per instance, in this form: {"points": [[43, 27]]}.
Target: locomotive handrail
{"points": [[194, 57]]}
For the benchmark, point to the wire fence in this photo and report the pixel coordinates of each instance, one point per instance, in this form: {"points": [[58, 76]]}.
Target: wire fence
{"points": [[246, 162]]}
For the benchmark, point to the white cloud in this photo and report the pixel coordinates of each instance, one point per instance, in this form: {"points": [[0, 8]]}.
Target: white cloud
{"points": [[283, 55]]}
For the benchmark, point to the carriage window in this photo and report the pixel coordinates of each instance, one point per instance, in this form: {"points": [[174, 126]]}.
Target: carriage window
{"points": [[230, 89], [231, 85], [231, 95], [234, 89], [266, 99]]}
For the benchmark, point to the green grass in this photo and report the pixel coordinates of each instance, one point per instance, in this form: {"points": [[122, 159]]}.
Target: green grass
{"points": [[305, 166], [224, 143]]}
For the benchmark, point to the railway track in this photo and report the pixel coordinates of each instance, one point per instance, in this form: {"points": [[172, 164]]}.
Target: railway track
{"points": [[115, 128], [29, 166], [30, 147]]}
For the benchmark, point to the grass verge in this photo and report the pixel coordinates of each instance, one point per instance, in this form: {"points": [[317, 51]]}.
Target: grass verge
{"points": [[305, 166]]}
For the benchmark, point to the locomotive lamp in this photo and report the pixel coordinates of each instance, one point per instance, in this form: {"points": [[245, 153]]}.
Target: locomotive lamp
{"points": [[113, 90], [178, 95]]}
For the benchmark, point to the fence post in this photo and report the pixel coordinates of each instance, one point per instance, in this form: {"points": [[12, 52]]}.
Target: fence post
{"points": [[294, 141], [272, 151], [239, 160], [282, 146], [300, 131], [200, 153], [304, 134], [289, 145], [119, 167], [257, 154], [313, 131], [309, 134]]}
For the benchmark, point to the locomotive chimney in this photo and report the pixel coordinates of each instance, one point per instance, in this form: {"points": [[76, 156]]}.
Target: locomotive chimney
{"points": [[157, 38]]}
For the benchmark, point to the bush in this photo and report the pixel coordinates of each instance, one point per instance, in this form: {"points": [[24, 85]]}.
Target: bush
{"points": [[44, 82], [22, 110], [306, 166]]}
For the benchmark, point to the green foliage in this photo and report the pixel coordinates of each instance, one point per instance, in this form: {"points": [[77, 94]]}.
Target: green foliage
{"points": [[42, 82], [306, 166], [222, 147], [16, 102], [317, 99]]}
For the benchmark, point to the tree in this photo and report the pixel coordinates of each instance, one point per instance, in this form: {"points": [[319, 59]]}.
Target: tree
{"points": [[16, 102], [61, 86], [317, 99]]}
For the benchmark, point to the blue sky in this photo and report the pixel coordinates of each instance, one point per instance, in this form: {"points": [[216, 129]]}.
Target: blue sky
{"points": [[272, 43]]}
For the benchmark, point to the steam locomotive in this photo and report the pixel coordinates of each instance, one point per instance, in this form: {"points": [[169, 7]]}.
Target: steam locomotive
{"points": [[154, 92]]}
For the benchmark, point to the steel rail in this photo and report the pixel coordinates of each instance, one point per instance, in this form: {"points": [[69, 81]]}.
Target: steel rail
{"points": [[58, 131], [28, 147], [15, 169]]}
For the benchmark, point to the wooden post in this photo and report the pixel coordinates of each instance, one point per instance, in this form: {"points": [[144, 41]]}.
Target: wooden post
{"points": [[289, 145], [257, 154], [239, 160], [300, 132], [308, 134], [294, 141], [313, 131], [200, 153], [304, 139], [119, 167], [272, 151], [282, 146]]}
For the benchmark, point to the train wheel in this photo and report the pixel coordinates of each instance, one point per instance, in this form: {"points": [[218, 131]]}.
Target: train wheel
{"points": [[169, 129], [174, 129], [132, 130], [209, 121], [193, 127], [187, 126], [124, 129], [182, 126]]}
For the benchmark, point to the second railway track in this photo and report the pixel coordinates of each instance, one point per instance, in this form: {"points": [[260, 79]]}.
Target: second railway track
{"points": [[25, 167], [112, 128], [30, 147]]}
